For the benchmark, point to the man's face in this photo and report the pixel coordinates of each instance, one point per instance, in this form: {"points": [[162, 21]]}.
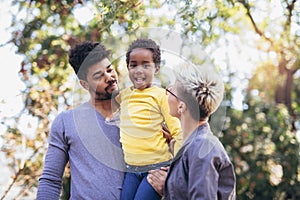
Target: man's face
{"points": [[102, 80]]}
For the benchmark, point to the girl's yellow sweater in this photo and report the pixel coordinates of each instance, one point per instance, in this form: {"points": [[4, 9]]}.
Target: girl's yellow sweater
{"points": [[141, 118]]}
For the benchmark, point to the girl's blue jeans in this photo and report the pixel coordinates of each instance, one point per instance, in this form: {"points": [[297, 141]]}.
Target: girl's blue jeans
{"points": [[136, 187]]}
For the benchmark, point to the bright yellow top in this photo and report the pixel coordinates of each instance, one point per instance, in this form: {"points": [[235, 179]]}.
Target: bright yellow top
{"points": [[141, 117]]}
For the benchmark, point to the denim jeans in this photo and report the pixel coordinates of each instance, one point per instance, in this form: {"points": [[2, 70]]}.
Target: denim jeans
{"points": [[136, 187]]}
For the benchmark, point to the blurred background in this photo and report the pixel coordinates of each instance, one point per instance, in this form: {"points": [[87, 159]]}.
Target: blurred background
{"points": [[255, 46]]}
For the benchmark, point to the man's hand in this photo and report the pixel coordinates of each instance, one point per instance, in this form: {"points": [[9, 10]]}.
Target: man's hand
{"points": [[166, 133], [169, 139], [157, 179]]}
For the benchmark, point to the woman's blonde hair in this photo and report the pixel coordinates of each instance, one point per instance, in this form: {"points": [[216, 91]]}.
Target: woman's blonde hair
{"points": [[200, 87]]}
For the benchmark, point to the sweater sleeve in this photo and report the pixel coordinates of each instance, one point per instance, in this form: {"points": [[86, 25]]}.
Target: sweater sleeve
{"points": [[50, 182], [210, 174], [202, 177], [172, 123]]}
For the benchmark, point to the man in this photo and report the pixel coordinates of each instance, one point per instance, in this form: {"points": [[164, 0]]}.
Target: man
{"points": [[82, 136]]}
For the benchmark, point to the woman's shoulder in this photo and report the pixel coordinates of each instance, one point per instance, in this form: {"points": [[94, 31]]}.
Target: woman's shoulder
{"points": [[205, 145]]}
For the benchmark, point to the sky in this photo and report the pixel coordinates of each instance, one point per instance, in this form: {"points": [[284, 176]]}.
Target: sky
{"points": [[10, 83], [11, 101]]}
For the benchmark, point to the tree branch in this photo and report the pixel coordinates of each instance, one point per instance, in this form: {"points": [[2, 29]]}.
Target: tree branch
{"points": [[6, 43], [290, 8], [257, 30], [21, 170]]}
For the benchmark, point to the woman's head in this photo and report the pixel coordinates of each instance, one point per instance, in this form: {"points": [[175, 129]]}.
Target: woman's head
{"points": [[200, 88]]}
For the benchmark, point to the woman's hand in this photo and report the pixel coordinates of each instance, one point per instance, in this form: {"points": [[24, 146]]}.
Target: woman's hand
{"points": [[157, 179]]}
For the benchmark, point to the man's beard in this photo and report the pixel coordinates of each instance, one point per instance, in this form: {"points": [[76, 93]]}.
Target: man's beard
{"points": [[103, 96], [106, 96]]}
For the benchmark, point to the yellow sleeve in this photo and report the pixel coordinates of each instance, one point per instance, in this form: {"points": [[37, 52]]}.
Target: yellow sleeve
{"points": [[172, 123], [117, 98]]}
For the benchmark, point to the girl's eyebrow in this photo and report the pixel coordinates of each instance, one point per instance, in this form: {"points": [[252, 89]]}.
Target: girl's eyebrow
{"points": [[144, 61]]}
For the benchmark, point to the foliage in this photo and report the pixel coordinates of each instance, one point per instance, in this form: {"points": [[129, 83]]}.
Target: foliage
{"points": [[260, 139], [264, 150]]}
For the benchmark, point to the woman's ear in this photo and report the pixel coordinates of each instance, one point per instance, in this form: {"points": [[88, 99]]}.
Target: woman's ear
{"points": [[84, 84], [181, 107]]}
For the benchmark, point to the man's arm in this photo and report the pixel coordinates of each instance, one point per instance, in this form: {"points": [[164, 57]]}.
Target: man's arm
{"points": [[55, 161], [51, 180]]}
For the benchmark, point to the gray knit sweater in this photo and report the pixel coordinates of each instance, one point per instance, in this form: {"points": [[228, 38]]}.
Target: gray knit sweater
{"points": [[81, 137]]}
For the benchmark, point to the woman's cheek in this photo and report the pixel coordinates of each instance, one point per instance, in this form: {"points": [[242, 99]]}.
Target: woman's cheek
{"points": [[172, 106]]}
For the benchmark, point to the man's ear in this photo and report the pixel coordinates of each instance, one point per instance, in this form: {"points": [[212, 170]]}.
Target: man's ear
{"points": [[157, 67], [84, 84]]}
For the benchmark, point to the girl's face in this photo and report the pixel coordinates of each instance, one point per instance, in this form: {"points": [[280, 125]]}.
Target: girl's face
{"points": [[141, 68]]}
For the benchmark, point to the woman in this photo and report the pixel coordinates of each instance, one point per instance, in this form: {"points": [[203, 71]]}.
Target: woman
{"points": [[201, 169]]}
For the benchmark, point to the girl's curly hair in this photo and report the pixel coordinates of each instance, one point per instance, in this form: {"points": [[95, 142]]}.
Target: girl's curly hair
{"points": [[146, 44]]}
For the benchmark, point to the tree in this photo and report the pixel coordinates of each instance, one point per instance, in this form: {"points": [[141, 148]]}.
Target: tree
{"points": [[260, 138], [286, 50]]}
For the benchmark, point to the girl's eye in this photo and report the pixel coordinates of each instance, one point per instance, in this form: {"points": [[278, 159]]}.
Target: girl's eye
{"points": [[132, 66]]}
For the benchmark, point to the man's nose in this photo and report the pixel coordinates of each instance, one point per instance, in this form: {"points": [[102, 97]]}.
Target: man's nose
{"points": [[108, 77]]}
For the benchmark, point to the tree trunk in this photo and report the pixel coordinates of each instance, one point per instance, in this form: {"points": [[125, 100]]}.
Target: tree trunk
{"points": [[283, 94]]}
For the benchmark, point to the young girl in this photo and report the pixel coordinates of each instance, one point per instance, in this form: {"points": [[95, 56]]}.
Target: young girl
{"points": [[144, 108]]}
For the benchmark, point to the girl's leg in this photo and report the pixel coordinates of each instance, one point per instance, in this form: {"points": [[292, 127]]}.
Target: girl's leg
{"points": [[145, 191], [130, 186]]}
